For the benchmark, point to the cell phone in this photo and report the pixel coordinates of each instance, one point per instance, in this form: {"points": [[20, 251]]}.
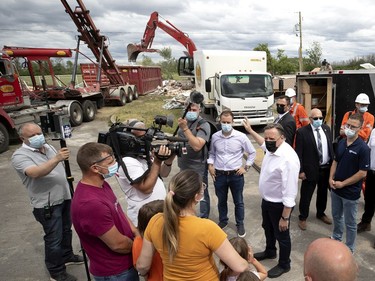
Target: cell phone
{"points": [[47, 212]]}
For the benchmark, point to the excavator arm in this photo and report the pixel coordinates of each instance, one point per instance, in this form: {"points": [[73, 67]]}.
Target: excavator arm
{"points": [[148, 37]]}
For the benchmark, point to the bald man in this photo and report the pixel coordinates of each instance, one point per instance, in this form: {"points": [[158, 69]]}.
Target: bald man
{"points": [[329, 260], [315, 151], [40, 167]]}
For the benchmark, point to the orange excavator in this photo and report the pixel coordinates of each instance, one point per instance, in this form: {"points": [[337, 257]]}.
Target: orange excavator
{"points": [[186, 65]]}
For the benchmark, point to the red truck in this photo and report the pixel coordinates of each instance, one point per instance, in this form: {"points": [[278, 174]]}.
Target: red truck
{"points": [[20, 103]]}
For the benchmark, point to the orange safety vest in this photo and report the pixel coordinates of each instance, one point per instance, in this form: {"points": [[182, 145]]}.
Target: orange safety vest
{"points": [[299, 113], [368, 124]]}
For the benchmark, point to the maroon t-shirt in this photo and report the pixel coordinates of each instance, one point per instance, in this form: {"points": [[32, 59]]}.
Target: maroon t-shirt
{"points": [[94, 212]]}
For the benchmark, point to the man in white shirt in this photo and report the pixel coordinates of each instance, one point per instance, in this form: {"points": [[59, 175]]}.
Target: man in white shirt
{"points": [[278, 186], [151, 187]]}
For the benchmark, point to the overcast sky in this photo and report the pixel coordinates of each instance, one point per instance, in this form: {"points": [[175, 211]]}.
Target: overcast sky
{"points": [[345, 29]]}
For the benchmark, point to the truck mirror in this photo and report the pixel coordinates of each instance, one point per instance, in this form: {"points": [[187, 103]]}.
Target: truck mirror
{"points": [[208, 85]]}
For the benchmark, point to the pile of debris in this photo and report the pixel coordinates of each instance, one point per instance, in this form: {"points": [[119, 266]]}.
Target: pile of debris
{"points": [[179, 91]]}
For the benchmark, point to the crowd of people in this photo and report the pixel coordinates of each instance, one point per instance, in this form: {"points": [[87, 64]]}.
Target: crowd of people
{"points": [[161, 236]]}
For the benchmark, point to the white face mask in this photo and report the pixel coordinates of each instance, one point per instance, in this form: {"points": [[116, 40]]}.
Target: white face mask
{"points": [[37, 141], [349, 133], [112, 170], [226, 127], [362, 109]]}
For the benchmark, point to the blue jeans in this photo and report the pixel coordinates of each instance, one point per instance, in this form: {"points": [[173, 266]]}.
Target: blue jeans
{"points": [[235, 183], [204, 205], [344, 210], [128, 275], [58, 236]]}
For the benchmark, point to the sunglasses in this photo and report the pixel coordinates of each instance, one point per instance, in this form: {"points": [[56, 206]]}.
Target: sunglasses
{"points": [[280, 105], [317, 118], [102, 159]]}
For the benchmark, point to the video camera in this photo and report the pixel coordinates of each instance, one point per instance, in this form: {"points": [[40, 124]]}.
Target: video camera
{"points": [[123, 140]]}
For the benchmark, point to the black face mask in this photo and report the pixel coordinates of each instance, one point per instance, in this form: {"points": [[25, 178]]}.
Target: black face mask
{"points": [[271, 146], [280, 109]]}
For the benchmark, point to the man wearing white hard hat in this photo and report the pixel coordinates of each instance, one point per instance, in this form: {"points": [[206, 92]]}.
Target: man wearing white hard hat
{"points": [[361, 106], [297, 110]]}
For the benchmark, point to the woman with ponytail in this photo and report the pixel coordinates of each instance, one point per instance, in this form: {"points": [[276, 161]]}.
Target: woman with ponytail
{"points": [[184, 241]]}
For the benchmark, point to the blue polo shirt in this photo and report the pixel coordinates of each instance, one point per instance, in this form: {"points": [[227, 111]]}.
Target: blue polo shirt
{"points": [[350, 159]]}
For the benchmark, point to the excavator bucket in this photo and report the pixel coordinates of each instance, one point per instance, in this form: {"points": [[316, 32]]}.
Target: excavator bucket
{"points": [[133, 52]]}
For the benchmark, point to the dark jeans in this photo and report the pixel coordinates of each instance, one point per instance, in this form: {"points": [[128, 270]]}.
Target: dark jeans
{"points": [[369, 197], [307, 191], [235, 183], [128, 275], [271, 214], [205, 205], [58, 236]]}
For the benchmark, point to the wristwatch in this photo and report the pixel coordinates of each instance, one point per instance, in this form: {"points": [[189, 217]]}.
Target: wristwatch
{"points": [[285, 218]]}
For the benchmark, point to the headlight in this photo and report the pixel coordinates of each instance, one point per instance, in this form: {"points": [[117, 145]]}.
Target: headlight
{"points": [[269, 111]]}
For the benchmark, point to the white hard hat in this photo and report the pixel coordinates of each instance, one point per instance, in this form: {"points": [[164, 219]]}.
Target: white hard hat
{"points": [[362, 98], [290, 92]]}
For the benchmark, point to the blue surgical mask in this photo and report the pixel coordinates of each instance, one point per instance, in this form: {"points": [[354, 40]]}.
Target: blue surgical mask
{"points": [[37, 141], [349, 133], [363, 109], [317, 123], [226, 128], [112, 170], [191, 115]]}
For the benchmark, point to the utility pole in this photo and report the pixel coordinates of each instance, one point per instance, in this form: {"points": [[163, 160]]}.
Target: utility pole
{"points": [[300, 43]]}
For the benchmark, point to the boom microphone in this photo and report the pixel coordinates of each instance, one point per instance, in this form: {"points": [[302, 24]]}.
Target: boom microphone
{"points": [[196, 97]]}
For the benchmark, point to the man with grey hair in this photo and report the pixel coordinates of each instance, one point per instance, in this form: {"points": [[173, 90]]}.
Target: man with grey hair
{"points": [[329, 260], [198, 132], [40, 168]]}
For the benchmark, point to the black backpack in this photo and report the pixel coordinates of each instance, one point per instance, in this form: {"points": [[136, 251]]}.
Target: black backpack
{"points": [[214, 128]]}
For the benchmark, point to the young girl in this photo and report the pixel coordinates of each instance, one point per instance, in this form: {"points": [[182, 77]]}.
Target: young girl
{"points": [[145, 213], [241, 246]]}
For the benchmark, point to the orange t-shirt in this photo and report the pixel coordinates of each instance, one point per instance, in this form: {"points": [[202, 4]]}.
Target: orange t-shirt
{"points": [[199, 239], [156, 270]]}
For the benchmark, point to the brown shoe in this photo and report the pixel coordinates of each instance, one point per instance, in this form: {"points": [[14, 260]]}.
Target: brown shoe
{"points": [[325, 219], [302, 225], [362, 226]]}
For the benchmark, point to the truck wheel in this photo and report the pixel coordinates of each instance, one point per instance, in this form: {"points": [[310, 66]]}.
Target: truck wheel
{"points": [[75, 114], [4, 138], [135, 94], [122, 97], [89, 111], [130, 96]]}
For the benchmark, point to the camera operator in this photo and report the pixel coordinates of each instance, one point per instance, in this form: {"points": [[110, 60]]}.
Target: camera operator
{"points": [[198, 131], [40, 168], [151, 187]]}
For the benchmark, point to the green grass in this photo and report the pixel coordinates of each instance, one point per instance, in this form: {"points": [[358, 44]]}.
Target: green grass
{"points": [[146, 108]]}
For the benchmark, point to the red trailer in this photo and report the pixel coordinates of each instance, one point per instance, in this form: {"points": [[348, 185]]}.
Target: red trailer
{"points": [[145, 78]]}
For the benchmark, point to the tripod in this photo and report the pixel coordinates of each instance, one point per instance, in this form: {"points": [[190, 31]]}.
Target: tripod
{"points": [[70, 180]]}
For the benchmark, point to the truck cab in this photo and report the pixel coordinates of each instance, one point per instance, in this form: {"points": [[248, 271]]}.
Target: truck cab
{"points": [[246, 95], [236, 81]]}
